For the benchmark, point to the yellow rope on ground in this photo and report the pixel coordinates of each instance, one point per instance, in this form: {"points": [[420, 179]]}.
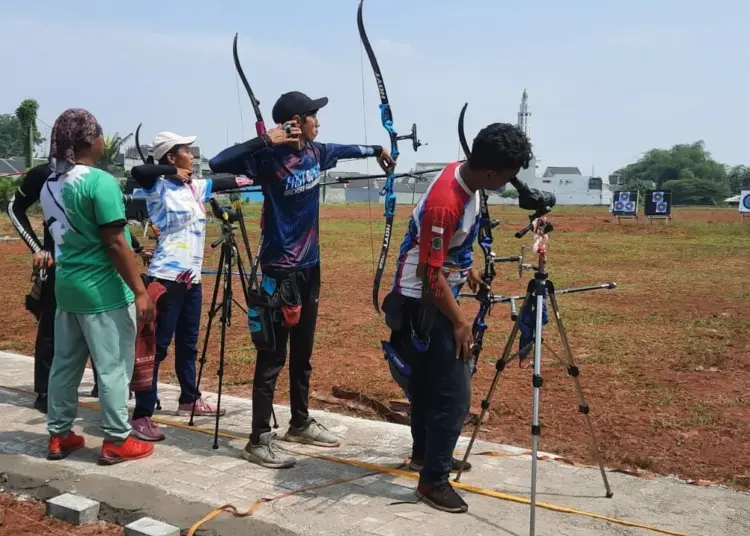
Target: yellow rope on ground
{"points": [[375, 469]]}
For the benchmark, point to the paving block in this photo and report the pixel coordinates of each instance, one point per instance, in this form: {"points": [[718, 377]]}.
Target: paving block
{"points": [[73, 509], [146, 526]]}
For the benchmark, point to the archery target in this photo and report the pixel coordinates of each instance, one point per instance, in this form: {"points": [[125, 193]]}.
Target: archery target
{"points": [[745, 201], [625, 203], [658, 203]]}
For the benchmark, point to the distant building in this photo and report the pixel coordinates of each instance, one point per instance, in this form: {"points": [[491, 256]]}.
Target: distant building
{"points": [[12, 166]]}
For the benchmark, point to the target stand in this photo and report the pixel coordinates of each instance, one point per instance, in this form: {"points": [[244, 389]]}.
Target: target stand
{"points": [[744, 206], [658, 205], [625, 205]]}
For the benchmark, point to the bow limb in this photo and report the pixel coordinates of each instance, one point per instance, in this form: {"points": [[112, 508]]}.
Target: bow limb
{"points": [[260, 129], [138, 142], [260, 126], [386, 117]]}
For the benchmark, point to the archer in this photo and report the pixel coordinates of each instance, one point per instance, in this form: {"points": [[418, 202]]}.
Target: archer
{"points": [[287, 162], [428, 330]]}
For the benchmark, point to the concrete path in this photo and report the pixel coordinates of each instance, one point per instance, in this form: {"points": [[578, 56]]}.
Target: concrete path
{"points": [[186, 471]]}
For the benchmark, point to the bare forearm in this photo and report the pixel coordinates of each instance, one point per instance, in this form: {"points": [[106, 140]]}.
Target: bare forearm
{"points": [[124, 261]]}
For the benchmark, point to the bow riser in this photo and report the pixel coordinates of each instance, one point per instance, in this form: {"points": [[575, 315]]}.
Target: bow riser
{"points": [[484, 240]]}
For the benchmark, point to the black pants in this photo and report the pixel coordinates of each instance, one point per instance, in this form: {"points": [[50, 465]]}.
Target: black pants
{"points": [[44, 348], [180, 320], [440, 389], [269, 364]]}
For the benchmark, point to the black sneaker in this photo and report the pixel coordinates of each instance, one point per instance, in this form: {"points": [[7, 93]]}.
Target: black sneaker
{"points": [[40, 404], [442, 497], [416, 465]]}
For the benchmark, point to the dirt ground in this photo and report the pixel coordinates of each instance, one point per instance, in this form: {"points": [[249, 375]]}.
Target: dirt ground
{"points": [[27, 518], [664, 357]]}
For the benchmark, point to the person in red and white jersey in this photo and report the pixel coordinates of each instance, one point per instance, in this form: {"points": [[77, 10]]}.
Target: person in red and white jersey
{"points": [[431, 337]]}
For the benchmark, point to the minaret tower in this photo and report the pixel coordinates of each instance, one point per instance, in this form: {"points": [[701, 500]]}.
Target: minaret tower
{"points": [[524, 115]]}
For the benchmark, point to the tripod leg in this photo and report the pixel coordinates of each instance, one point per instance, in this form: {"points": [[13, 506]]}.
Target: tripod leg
{"points": [[211, 313], [540, 290], [499, 367], [573, 372], [226, 315]]}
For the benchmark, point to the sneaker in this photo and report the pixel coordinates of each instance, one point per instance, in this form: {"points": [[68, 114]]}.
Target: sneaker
{"points": [[146, 429], [313, 433], [264, 454], [442, 497], [416, 465], [60, 447], [125, 451], [95, 391], [202, 409], [40, 404]]}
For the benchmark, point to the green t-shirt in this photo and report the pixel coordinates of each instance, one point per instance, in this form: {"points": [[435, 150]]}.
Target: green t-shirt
{"points": [[75, 206]]}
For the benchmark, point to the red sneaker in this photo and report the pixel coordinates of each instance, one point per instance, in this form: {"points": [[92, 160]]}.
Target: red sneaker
{"points": [[128, 450], [60, 447]]}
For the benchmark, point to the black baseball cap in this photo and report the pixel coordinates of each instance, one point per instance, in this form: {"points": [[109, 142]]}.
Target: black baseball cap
{"points": [[295, 103]]}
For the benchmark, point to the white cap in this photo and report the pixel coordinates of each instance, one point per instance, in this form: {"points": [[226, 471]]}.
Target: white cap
{"points": [[164, 141]]}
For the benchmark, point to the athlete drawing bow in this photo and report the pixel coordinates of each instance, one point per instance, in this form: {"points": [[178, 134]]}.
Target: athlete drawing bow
{"points": [[386, 117]]}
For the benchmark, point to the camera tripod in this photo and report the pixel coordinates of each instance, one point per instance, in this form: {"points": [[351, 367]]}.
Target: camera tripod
{"points": [[539, 289], [227, 258]]}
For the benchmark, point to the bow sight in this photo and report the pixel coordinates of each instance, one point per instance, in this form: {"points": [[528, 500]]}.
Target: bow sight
{"points": [[415, 143]]}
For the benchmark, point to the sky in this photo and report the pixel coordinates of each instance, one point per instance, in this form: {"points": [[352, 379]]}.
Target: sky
{"points": [[607, 80]]}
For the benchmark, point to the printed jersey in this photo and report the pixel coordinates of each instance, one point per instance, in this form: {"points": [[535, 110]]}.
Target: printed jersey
{"points": [[441, 232], [290, 181], [177, 209], [76, 205]]}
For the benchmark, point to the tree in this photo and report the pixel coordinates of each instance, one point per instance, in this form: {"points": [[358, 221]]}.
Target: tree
{"points": [[108, 160], [11, 143], [739, 179], [26, 114], [688, 168], [694, 191]]}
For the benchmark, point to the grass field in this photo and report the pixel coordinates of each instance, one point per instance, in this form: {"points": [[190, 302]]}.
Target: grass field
{"points": [[664, 357]]}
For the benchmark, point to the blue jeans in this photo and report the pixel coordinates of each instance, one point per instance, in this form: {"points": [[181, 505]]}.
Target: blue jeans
{"points": [[181, 319], [440, 389]]}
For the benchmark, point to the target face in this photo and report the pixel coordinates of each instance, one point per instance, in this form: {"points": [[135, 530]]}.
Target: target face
{"points": [[658, 203], [745, 201], [625, 203]]}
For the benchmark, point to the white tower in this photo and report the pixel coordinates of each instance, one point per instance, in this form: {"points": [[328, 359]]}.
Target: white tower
{"points": [[524, 115], [526, 175]]}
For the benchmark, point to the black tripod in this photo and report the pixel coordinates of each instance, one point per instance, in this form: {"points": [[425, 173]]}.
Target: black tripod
{"points": [[539, 289], [227, 258]]}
